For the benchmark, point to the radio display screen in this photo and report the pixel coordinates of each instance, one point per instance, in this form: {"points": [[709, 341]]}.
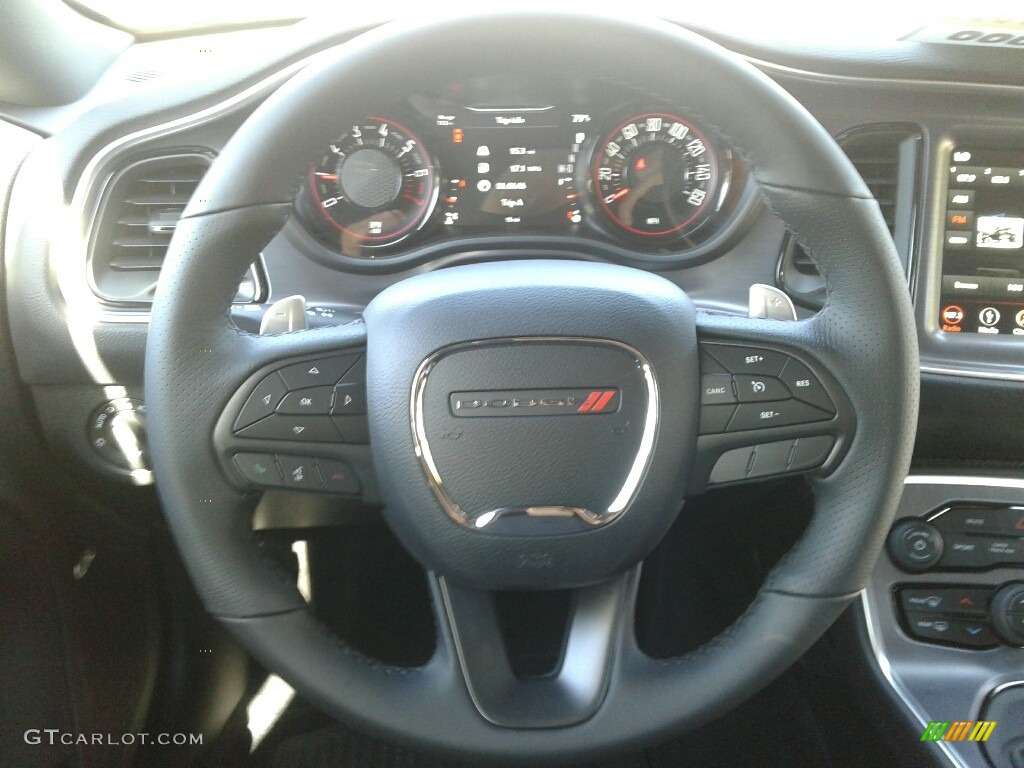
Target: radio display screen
{"points": [[983, 244]]}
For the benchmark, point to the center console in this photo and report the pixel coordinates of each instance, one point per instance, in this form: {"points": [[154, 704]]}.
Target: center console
{"points": [[945, 612]]}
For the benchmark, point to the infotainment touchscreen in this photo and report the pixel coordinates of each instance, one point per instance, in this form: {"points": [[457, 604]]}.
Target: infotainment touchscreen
{"points": [[983, 244]]}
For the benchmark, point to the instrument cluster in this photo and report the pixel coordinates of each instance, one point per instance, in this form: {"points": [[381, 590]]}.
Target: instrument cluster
{"points": [[639, 179]]}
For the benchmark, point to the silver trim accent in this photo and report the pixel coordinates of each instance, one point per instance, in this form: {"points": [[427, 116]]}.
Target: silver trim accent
{"points": [[971, 480], [619, 504], [767, 301], [886, 669], [1003, 687], [972, 373], [285, 315]]}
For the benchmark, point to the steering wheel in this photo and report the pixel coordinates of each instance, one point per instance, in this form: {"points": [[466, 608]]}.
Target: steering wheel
{"points": [[554, 501]]}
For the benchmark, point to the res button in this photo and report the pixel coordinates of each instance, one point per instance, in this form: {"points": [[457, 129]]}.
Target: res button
{"points": [[805, 386]]}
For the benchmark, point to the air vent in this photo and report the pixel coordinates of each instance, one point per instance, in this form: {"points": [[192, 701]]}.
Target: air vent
{"points": [[137, 217], [887, 157]]}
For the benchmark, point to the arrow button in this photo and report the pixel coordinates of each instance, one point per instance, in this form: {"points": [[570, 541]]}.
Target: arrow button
{"points": [[305, 429], [262, 401], [349, 399]]}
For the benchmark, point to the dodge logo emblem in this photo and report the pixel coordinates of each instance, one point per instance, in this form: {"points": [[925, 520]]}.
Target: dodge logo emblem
{"points": [[536, 402]]}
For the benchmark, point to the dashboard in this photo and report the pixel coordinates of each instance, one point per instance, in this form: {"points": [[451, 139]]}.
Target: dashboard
{"points": [[636, 178], [496, 168]]}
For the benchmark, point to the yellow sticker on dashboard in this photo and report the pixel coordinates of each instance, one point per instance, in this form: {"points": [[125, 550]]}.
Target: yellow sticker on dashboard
{"points": [[987, 32]]}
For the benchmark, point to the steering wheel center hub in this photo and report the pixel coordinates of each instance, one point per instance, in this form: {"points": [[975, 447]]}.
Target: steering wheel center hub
{"points": [[538, 396], [535, 436]]}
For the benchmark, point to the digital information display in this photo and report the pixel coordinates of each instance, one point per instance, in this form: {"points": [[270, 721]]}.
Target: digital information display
{"points": [[510, 167], [983, 250]]}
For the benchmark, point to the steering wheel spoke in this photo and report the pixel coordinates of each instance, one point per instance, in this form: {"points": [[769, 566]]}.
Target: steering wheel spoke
{"points": [[599, 623], [769, 405]]}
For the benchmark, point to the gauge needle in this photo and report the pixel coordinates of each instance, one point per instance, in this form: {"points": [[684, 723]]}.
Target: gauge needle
{"points": [[612, 198], [328, 176]]}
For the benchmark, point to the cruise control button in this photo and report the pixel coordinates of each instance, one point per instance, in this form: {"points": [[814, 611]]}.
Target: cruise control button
{"points": [[280, 426], [316, 373], [779, 414], [732, 465], [313, 401], [805, 386], [338, 476], [811, 452], [716, 389], [771, 458], [258, 468], [300, 472], [262, 401], [758, 389], [349, 399], [747, 360], [715, 418]]}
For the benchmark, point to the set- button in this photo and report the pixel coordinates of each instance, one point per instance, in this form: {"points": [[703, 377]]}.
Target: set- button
{"points": [[749, 388]]}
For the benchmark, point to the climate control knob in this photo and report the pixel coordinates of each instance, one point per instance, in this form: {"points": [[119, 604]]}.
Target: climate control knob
{"points": [[1008, 613]]}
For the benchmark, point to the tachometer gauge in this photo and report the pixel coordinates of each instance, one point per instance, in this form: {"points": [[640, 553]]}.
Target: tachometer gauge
{"points": [[374, 186], [655, 176]]}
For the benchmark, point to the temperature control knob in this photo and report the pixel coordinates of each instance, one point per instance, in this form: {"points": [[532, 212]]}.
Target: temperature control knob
{"points": [[1008, 613]]}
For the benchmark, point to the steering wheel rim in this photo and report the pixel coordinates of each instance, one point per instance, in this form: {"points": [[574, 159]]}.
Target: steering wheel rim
{"points": [[196, 358]]}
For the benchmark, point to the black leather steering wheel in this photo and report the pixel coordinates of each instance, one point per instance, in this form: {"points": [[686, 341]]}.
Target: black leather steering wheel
{"points": [[519, 326]]}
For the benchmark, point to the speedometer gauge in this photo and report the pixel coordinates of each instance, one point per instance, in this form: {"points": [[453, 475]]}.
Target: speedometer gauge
{"points": [[374, 185], [655, 176]]}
